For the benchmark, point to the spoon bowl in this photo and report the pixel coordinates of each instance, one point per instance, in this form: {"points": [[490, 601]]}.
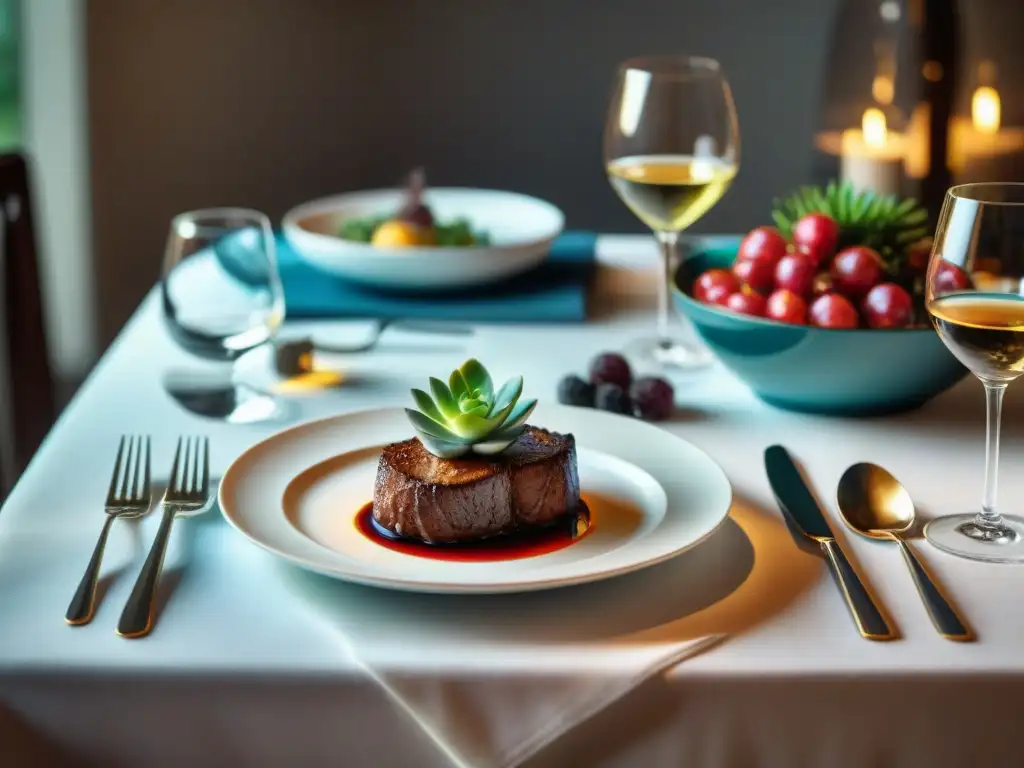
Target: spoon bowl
{"points": [[876, 505]]}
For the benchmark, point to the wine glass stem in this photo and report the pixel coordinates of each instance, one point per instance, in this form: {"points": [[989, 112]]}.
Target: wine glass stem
{"points": [[989, 517], [667, 240]]}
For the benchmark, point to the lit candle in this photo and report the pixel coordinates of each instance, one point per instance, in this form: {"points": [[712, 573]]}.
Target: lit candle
{"points": [[872, 158], [986, 109], [976, 144]]}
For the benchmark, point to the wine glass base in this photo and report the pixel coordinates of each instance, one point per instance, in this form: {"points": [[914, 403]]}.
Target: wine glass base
{"points": [[961, 535], [213, 395], [673, 353]]}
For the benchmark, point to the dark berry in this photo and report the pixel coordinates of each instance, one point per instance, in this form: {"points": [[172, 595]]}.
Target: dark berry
{"points": [[654, 398], [610, 397], [572, 390], [610, 368]]}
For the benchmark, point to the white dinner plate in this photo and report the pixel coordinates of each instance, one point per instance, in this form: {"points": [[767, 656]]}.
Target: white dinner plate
{"points": [[296, 494], [521, 228]]}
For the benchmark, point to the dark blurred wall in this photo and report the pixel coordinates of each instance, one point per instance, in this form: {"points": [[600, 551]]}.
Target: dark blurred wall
{"points": [[267, 103]]}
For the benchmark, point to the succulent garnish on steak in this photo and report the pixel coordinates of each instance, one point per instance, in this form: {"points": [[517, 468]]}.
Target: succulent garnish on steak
{"points": [[532, 483]]}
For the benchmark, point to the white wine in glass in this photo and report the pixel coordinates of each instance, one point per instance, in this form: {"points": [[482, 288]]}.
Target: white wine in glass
{"points": [[671, 150], [975, 295]]}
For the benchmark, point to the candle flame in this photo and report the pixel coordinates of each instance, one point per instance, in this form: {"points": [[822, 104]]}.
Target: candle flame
{"points": [[874, 128], [986, 109]]}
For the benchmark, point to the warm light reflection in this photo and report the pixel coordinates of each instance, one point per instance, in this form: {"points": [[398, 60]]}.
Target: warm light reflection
{"points": [[932, 71], [882, 89], [917, 160], [986, 109], [309, 383], [873, 127]]}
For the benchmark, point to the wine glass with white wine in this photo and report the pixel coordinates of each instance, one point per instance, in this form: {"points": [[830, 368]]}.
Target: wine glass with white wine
{"points": [[671, 149], [974, 291]]}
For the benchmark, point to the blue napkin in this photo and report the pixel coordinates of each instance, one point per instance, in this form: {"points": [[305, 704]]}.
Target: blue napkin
{"points": [[555, 291]]}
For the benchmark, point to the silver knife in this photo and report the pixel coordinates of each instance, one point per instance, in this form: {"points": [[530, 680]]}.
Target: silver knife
{"points": [[803, 514]]}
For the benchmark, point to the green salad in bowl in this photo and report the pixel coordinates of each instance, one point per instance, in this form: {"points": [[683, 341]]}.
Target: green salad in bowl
{"points": [[413, 225]]}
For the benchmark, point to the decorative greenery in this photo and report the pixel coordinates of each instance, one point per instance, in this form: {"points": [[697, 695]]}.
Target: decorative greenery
{"points": [[886, 223], [467, 415]]}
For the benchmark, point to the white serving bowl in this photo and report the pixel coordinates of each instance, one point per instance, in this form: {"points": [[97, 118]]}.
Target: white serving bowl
{"points": [[521, 228]]}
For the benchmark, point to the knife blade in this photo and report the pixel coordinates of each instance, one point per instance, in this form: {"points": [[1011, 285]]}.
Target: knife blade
{"points": [[804, 515]]}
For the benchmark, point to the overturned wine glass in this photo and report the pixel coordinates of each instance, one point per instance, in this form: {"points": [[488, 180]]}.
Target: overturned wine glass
{"points": [[221, 296]]}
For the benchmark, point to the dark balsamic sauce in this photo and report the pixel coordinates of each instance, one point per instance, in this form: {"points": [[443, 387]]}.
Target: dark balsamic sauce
{"points": [[539, 541]]}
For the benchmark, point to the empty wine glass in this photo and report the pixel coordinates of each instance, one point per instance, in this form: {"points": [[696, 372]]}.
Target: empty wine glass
{"points": [[222, 297], [671, 149]]}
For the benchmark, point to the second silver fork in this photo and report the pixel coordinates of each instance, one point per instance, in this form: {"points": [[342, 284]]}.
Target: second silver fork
{"points": [[188, 491]]}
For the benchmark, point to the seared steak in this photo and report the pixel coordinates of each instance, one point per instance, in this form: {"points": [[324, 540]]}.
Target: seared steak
{"points": [[532, 484]]}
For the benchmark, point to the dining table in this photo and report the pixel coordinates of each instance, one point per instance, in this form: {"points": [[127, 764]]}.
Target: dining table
{"points": [[248, 665]]}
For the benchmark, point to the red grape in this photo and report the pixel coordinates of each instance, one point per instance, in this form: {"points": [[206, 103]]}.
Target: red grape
{"points": [[712, 284], [610, 368], [949, 277], [653, 398], [888, 306], [816, 235], [856, 271], [762, 243], [832, 310], [795, 273], [721, 298], [747, 303], [786, 307], [918, 254], [759, 274]]}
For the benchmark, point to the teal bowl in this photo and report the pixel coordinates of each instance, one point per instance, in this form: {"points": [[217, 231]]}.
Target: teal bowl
{"points": [[817, 370]]}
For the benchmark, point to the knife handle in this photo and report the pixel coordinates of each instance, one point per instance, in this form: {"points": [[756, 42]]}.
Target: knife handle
{"points": [[870, 622]]}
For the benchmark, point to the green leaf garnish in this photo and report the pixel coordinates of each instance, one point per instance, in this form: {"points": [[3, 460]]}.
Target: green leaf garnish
{"points": [[467, 415]]}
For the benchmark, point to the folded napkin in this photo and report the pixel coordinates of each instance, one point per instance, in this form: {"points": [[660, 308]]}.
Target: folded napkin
{"points": [[556, 291], [494, 679]]}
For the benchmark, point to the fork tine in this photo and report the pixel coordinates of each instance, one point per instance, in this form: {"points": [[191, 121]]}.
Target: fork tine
{"points": [[138, 469], [205, 489], [172, 482], [196, 466], [127, 470], [185, 466], [112, 493], [146, 491]]}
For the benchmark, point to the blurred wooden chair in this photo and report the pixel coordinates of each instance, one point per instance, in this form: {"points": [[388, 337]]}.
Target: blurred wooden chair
{"points": [[27, 402]]}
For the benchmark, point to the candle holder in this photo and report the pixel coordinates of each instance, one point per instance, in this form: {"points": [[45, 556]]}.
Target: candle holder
{"points": [[889, 101], [907, 108]]}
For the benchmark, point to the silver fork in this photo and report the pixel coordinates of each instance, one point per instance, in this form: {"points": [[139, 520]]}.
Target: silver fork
{"points": [[188, 492], [122, 501]]}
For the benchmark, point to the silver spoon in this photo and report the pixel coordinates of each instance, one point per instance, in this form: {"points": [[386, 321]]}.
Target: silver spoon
{"points": [[874, 504], [295, 356]]}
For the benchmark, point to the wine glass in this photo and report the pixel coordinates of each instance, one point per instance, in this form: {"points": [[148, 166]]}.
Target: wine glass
{"points": [[975, 295], [221, 296], [671, 150]]}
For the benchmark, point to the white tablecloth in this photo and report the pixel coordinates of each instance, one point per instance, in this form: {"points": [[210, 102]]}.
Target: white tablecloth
{"points": [[242, 670]]}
